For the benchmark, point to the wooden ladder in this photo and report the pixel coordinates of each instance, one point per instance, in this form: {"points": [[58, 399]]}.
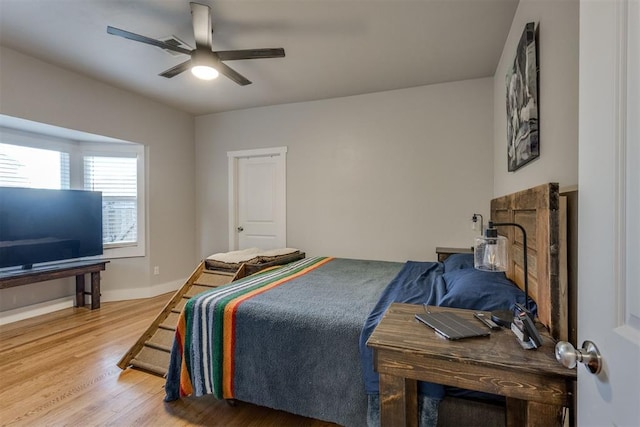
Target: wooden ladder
{"points": [[152, 351]]}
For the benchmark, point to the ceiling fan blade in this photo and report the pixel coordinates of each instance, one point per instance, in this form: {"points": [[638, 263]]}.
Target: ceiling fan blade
{"points": [[232, 74], [232, 55], [174, 71], [147, 40], [201, 18]]}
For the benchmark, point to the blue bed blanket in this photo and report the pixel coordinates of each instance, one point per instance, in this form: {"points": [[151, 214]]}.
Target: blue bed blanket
{"points": [[454, 283], [416, 283]]}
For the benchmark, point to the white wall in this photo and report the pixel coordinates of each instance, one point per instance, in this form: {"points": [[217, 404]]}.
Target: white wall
{"points": [[558, 97], [37, 91], [387, 175]]}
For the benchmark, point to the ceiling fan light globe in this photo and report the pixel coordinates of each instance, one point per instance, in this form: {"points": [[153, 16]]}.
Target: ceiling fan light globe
{"points": [[204, 72]]}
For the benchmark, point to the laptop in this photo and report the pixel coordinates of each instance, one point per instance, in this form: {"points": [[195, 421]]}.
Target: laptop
{"points": [[452, 326]]}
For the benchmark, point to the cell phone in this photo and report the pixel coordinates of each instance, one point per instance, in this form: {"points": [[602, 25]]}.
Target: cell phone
{"points": [[485, 319], [531, 330]]}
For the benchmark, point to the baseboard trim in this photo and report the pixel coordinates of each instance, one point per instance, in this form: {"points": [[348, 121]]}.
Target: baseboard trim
{"points": [[139, 293], [34, 310], [47, 307]]}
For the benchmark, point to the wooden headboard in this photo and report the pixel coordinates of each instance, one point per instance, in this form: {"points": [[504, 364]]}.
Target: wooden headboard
{"points": [[542, 212]]}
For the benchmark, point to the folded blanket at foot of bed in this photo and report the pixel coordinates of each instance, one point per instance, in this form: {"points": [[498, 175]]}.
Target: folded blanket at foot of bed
{"points": [[254, 259]]}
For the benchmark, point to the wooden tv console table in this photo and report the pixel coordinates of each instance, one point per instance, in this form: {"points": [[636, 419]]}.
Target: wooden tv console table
{"points": [[9, 279]]}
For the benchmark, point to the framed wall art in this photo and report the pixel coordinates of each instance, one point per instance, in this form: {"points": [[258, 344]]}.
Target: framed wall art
{"points": [[523, 144]]}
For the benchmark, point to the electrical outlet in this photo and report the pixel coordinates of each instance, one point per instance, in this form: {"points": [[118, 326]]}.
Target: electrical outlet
{"points": [[156, 270]]}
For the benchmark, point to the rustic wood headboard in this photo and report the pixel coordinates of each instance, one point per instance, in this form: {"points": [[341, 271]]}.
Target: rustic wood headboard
{"points": [[542, 212]]}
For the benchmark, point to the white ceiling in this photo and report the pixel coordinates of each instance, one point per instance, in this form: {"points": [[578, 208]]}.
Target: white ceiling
{"points": [[333, 48]]}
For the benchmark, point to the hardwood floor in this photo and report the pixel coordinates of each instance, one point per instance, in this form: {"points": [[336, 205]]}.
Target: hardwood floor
{"points": [[60, 369]]}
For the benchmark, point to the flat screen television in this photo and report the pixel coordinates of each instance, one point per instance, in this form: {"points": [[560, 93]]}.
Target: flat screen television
{"points": [[39, 225]]}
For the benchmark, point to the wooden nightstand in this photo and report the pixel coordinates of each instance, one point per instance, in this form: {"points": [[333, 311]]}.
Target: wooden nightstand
{"points": [[444, 253], [537, 387]]}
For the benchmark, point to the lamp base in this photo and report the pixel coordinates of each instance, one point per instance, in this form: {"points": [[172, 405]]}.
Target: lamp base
{"points": [[502, 317]]}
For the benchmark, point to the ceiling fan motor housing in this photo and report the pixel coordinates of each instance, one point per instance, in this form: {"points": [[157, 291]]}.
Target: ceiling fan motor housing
{"points": [[204, 64]]}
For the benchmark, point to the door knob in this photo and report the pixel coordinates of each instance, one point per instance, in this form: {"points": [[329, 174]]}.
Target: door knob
{"points": [[240, 229], [588, 354]]}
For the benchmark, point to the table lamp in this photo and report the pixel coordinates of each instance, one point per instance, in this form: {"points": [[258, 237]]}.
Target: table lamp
{"points": [[490, 254]]}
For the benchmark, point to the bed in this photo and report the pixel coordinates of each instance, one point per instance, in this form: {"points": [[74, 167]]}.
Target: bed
{"points": [[291, 337]]}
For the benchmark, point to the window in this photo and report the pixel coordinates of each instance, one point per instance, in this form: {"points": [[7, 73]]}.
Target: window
{"points": [[116, 178], [115, 169], [33, 167]]}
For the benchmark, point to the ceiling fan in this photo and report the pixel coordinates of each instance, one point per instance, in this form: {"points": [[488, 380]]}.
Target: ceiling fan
{"points": [[204, 62]]}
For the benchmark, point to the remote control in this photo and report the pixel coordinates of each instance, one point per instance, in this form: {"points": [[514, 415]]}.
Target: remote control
{"points": [[484, 319]]}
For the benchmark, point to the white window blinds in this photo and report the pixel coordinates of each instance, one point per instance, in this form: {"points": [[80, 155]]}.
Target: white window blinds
{"points": [[30, 167], [116, 178]]}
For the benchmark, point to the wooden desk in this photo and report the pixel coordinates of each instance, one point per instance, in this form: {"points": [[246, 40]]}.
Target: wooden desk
{"points": [[9, 279], [405, 351]]}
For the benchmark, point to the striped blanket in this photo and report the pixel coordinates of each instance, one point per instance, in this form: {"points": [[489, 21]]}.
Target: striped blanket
{"points": [[285, 339], [209, 320]]}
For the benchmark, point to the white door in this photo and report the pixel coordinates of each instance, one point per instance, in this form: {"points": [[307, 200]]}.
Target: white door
{"points": [[609, 211], [257, 199]]}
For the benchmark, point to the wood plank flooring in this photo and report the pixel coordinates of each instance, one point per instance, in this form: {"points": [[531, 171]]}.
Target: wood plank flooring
{"points": [[60, 369]]}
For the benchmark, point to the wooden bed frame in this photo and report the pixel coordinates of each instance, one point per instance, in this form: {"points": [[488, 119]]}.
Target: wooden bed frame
{"points": [[542, 212]]}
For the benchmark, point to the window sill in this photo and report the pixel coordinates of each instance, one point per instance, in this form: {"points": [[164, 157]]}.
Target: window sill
{"points": [[124, 252]]}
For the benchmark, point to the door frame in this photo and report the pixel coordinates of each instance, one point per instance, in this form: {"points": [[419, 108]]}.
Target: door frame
{"points": [[233, 159]]}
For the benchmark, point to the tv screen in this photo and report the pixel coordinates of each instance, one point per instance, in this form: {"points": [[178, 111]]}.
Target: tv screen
{"points": [[39, 225]]}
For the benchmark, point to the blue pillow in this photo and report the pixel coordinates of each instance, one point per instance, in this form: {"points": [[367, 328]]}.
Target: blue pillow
{"points": [[480, 290], [458, 262]]}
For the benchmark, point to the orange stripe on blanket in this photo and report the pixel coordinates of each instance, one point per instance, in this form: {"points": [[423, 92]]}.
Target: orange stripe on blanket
{"points": [[186, 387], [229, 326]]}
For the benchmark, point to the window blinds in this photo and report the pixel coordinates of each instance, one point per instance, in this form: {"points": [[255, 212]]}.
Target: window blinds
{"points": [[30, 167], [116, 178]]}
